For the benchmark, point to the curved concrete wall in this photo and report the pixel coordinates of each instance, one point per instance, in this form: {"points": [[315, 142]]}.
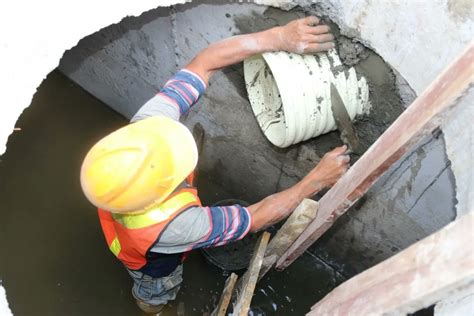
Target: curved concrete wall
{"points": [[123, 66]]}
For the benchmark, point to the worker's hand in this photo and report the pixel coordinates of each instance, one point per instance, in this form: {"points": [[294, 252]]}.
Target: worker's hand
{"points": [[305, 36], [330, 169], [278, 206]]}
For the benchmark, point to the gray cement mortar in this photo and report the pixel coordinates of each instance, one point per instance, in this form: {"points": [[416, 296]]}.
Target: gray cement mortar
{"points": [[414, 198]]}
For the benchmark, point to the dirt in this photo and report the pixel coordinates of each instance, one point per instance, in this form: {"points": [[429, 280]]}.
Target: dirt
{"points": [[351, 52], [460, 10]]}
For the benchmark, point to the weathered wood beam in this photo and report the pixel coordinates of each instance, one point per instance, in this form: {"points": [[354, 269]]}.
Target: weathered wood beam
{"points": [[415, 278], [425, 114], [296, 223], [224, 301], [246, 288]]}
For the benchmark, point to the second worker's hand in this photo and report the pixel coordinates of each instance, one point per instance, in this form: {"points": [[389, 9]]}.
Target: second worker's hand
{"points": [[305, 35]]}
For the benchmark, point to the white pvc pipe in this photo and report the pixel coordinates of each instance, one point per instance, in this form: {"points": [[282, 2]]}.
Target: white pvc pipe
{"points": [[290, 94]]}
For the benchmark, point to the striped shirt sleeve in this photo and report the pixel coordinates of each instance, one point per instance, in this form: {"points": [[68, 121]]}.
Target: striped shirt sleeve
{"points": [[176, 97], [227, 224], [202, 227]]}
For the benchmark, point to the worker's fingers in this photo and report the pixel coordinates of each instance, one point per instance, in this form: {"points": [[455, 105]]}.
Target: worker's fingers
{"points": [[319, 38], [344, 158], [319, 47], [318, 29], [310, 20], [339, 150]]}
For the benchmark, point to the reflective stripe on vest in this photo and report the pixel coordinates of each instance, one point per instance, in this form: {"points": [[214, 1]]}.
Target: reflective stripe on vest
{"points": [[157, 214], [130, 236], [115, 247]]}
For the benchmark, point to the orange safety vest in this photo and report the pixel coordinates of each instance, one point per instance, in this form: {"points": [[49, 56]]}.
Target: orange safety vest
{"points": [[131, 236]]}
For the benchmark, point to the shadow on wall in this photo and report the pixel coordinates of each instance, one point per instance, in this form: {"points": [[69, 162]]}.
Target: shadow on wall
{"points": [[53, 258]]}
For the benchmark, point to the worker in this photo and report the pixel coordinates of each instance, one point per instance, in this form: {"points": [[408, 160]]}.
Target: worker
{"points": [[139, 176]]}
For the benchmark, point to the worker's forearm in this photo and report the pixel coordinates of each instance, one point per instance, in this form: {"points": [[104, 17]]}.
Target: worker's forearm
{"points": [[299, 36], [280, 205], [234, 50]]}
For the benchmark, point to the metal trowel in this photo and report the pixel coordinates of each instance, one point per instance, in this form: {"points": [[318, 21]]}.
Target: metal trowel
{"points": [[343, 122]]}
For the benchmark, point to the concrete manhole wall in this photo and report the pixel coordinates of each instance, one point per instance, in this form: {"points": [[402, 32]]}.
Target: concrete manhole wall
{"points": [[125, 64]]}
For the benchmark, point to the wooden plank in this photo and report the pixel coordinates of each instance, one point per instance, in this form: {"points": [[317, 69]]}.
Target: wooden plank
{"points": [[249, 279], [224, 301], [296, 223], [415, 278], [425, 114]]}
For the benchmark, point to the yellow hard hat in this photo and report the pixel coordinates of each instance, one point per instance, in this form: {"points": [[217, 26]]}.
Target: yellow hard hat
{"points": [[138, 165]]}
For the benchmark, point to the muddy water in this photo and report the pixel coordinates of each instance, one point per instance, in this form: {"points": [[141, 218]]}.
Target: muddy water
{"points": [[53, 258]]}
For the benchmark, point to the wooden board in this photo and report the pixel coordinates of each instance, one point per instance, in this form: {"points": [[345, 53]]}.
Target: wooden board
{"points": [[224, 301], [249, 279], [415, 278], [425, 114], [296, 223]]}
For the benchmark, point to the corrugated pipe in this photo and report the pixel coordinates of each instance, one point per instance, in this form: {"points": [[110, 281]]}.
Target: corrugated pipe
{"points": [[290, 94]]}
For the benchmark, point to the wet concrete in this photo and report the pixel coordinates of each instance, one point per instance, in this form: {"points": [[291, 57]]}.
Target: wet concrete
{"points": [[54, 258]]}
